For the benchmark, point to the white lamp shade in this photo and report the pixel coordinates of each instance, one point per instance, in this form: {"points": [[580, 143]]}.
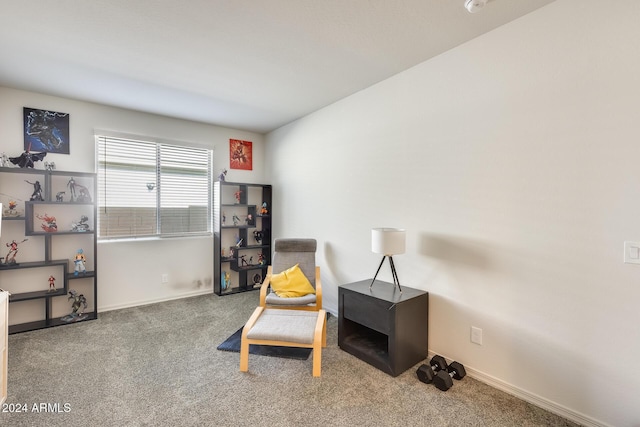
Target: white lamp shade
{"points": [[388, 241]]}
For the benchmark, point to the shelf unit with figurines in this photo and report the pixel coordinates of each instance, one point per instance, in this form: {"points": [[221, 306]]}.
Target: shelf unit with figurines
{"points": [[50, 266], [242, 236]]}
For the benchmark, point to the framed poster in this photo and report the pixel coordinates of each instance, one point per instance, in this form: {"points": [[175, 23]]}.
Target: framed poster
{"points": [[46, 131], [240, 154]]}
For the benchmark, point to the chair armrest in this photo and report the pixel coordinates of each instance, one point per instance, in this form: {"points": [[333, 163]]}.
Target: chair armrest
{"points": [[318, 289], [265, 287]]}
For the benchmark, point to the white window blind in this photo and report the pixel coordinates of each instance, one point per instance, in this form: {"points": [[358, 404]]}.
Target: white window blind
{"points": [[147, 189]]}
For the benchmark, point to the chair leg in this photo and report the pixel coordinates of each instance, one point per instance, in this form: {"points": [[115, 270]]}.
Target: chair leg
{"points": [[244, 356], [317, 359], [244, 344]]}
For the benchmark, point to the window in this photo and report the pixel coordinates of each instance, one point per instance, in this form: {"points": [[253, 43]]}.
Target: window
{"points": [[152, 189]]}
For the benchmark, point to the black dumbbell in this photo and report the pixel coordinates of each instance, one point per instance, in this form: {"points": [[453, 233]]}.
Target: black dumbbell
{"points": [[445, 373], [426, 373]]}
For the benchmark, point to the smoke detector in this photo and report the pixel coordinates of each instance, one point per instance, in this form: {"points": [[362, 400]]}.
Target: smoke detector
{"points": [[474, 6]]}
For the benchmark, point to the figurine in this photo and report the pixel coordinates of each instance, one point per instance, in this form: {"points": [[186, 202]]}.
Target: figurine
{"points": [[224, 217], [81, 226], [79, 262], [49, 166], [50, 225], [264, 210], [78, 300], [11, 211], [60, 196], [239, 241], [225, 280], [4, 161], [249, 219], [223, 176], [237, 195], [236, 219], [27, 159], [10, 259], [37, 191], [257, 279], [261, 260], [257, 235], [72, 188], [243, 261], [52, 284]]}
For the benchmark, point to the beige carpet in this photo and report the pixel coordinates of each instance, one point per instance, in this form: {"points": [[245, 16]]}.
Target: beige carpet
{"points": [[158, 365]]}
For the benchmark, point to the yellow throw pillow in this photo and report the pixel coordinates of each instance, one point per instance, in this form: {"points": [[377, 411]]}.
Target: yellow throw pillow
{"points": [[291, 283]]}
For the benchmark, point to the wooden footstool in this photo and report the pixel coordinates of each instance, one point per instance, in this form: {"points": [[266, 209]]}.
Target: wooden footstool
{"points": [[288, 328]]}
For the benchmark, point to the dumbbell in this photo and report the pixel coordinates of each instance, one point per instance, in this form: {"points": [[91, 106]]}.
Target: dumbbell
{"points": [[443, 379], [439, 373]]}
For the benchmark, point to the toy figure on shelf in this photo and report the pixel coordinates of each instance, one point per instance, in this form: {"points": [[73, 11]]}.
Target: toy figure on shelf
{"points": [[249, 219], [60, 196], [264, 210], [239, 241], [225, 280], [224, 218], [83, 194], [223, 176], [52, 284], [261, 260], [243, 261], [78, 301], [4, 161], [257, 235], [11, 211], [10, 259], [49, 225], [81, 226], [79, 262], [27, 159], [236, 219], [237, 195], [49, 166], [72, 188], [37, 191]]}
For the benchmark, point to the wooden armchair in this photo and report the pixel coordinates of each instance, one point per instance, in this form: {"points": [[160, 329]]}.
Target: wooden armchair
{"points": [[287, 253]]}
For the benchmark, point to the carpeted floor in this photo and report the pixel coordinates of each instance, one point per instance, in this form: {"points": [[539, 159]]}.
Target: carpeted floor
{"points": [[157, 365]]}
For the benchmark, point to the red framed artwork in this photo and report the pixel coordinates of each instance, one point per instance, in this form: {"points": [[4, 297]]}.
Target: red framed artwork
{"points": [[240, 154]]}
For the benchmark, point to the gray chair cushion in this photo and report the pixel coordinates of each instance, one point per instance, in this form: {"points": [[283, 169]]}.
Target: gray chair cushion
{"points": [[289, 252], [273, 299], [285, 325]]}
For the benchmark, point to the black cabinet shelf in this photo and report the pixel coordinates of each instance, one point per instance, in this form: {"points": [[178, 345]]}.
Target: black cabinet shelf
{"points": [[48, 323], [226, 235], [54, 186], [383, 327]]}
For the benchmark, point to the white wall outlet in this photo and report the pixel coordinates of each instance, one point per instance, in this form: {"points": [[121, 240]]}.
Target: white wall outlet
{"points": [[632, 252], [165, 278], [476, 335]]}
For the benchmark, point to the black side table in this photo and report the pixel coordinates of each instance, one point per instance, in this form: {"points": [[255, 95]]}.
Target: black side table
{"points": [[383, 327]]}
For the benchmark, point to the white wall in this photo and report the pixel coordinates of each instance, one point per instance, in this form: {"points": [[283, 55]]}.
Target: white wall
{"points": [[512, 161], [129, 273]]}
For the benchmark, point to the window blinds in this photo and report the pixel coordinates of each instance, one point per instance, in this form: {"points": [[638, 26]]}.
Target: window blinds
{"points": [[146, 189]]}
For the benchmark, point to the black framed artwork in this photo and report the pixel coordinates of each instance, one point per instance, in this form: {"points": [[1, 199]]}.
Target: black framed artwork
{"points": [[46, 131]]}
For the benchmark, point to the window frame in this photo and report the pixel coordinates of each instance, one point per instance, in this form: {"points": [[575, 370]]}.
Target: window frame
{"points": [[102, 137]]}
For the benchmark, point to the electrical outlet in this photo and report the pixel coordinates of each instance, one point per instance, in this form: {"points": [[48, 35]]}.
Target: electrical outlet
{"points": [[165, 278], [476, 335], [632, 252]]}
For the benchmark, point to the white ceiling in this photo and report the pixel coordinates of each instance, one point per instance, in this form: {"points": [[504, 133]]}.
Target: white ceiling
{"points": [[245, 64]]}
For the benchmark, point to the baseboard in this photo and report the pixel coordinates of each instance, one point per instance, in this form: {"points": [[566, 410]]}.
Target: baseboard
{"points": [[154, 301], [532, 398]]}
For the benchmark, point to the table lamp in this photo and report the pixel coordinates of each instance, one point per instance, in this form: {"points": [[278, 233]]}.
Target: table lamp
{"points": [[388, 242]]}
